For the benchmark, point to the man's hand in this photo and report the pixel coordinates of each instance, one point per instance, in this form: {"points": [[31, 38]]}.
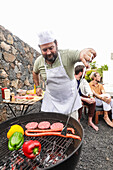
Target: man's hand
{"points": [[39, 91], [88, 100], [92, 99], [106, 99], [87, 55]]}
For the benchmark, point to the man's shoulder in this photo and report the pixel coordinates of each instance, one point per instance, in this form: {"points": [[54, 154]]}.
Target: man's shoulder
{"points": [[63, 51], [70, 54], [66, 51], [90, 83], [40, 59], [84, 81], [101, 85]]}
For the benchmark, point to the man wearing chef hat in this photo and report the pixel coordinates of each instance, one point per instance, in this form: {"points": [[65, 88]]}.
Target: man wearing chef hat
{"points": [[57, 70]]}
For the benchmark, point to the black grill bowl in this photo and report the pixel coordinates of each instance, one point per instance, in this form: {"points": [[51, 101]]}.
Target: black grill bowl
{"points": [[72, 152]]}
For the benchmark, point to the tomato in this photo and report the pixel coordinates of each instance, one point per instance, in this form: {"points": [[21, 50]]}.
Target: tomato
{"points": [[29, 97]]}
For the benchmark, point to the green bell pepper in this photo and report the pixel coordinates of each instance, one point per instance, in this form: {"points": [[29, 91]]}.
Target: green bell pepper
{"points": [[15, 141]]}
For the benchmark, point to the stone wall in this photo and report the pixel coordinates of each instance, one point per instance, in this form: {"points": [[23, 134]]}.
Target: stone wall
{"points": [[16, 63]]}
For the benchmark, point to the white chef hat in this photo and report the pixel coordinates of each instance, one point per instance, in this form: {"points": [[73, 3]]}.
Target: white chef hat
{"points": [[45, 37]]}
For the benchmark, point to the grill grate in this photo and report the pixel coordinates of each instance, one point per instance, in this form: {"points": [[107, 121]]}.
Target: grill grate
{"points": [[54, 149]]}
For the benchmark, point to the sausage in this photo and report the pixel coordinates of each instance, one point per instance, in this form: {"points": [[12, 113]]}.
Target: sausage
{"points": [[52, 134], [49, 130]]}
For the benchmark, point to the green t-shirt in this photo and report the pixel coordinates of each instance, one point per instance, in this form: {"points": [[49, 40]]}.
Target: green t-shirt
{"points": [[68, 57]]}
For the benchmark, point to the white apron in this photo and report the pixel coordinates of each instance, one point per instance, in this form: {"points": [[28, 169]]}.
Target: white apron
{"points": [[60, 91]]}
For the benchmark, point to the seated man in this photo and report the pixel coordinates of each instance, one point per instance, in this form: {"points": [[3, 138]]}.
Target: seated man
{"points": [[86, 96], [101, 97]]}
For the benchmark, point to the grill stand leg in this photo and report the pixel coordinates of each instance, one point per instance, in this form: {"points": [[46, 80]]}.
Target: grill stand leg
{"points": [[23, 112], [11, 109]]}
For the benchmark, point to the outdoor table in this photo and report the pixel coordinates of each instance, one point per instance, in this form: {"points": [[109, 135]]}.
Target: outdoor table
{"points": [[23, 102]]}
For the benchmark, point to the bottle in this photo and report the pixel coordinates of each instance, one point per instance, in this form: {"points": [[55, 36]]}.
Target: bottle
{"points": [[7, 94], [3, 94], [12, 97], [34, 89]]}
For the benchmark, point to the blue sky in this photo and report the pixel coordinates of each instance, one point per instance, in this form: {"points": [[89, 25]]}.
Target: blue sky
{"points": [[78, 24]]}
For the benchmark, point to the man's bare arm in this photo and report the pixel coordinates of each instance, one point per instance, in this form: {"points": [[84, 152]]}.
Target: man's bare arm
{"points": [[36, 78], [103, 98], [36, 81]]}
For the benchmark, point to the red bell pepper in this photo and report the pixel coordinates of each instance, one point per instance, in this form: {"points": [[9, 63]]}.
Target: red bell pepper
{"points": [[31, 148]]}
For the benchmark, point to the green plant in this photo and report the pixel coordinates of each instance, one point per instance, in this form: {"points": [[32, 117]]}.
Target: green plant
{"points": [[93, 65], [87, 76], [99, 70]]}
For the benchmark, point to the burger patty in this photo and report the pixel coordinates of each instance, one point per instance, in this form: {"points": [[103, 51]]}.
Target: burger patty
{"points": [[44, 125], [31, 125], [57, 125]]}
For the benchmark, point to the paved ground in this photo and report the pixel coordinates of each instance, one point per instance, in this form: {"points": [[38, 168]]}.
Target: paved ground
{"points": [[97, 150]]}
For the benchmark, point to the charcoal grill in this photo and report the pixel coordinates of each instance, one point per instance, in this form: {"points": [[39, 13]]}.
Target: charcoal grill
{"points": [[57, 153]]}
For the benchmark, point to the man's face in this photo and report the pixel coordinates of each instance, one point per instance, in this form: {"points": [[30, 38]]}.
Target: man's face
{"points": [[81, 74], [98, 77], [49, 51]]}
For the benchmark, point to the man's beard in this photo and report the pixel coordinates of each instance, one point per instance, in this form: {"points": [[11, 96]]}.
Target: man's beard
{"points": [[81, 76], [51, 60], [97, 81]]}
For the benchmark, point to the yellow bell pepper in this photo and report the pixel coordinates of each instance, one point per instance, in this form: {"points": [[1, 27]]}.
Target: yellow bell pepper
{"points": [[13, 129]]}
